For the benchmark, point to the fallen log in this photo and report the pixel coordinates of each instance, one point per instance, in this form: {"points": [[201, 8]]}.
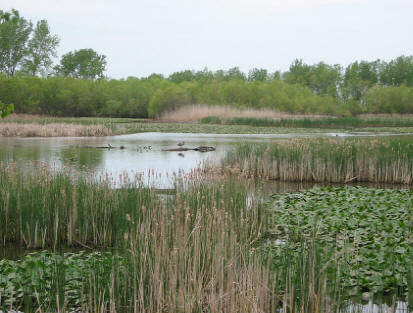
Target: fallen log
{"points": [[204, 149], [178, 149], [108, 147], [199, 149]]}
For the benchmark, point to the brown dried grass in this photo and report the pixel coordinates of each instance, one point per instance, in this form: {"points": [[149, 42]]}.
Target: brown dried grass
{"points": [[193, 113], [52, 130], [25, 117]]}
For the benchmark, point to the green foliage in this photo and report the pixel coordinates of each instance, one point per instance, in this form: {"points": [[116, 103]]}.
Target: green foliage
{"points": [[398, 72], [390, 99], [258, 75], [367, 232], [5, 110], [314, 122], [251, 121], [358, 78], [66, 96], [179, 77], [83, 63], [211, 120], [322, 78]]}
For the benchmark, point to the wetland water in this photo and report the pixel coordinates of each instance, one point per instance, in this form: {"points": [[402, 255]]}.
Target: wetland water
{"points": [[142, 155], [80, 154]]}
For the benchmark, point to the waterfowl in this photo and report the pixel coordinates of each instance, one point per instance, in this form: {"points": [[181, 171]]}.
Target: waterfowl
{"points": [[181, 143]]}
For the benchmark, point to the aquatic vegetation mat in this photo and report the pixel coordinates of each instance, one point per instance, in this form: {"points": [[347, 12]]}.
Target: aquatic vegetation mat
{"points": [[48, 278], [363, 234]]}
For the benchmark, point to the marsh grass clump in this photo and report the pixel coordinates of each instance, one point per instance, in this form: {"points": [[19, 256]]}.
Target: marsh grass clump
{"points": [[211, 120], [52, 130], [388, 160], [252, 121]]}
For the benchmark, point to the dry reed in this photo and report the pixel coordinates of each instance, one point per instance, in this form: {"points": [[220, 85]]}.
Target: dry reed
{"points": [[193, 113], [52, 130], [26, 117]]}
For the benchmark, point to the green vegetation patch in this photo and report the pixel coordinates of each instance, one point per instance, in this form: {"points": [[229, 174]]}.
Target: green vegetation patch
{"points": [[46, 277], [313, 122], [366, 232]]}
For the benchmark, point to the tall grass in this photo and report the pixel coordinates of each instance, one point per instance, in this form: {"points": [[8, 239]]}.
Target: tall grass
{"points": [[191, 252], [388, 160], [194, 113]]}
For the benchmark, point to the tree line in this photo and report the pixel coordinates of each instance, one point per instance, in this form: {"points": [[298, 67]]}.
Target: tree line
{"points": [[76, 86]]}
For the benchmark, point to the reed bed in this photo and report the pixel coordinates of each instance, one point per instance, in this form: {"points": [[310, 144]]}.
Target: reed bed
{"points": [[52, 130], [49, 119], [194, 113], [191, 252], [384, 160]]}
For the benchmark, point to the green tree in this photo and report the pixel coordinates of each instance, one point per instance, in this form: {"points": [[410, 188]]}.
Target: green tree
{"points": [[360, 77], [179, 77], [256, 74], [398, 72], [325, 79], [233, 73], [14, 36], [41, 48], [299, 73], [83, 63]]}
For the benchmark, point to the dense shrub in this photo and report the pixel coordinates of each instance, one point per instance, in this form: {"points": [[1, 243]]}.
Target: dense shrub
{"points": [[149, 97]]}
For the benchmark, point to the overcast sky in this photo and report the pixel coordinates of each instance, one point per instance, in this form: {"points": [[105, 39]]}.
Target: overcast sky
{"points": [[140, 37]]}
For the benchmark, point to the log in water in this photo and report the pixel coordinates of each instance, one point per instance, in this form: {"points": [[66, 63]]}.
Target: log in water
{"points": [[199, 149]]}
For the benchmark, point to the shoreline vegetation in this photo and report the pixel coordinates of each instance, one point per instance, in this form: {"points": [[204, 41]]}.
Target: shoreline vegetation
{"points": [[203, 119]]}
